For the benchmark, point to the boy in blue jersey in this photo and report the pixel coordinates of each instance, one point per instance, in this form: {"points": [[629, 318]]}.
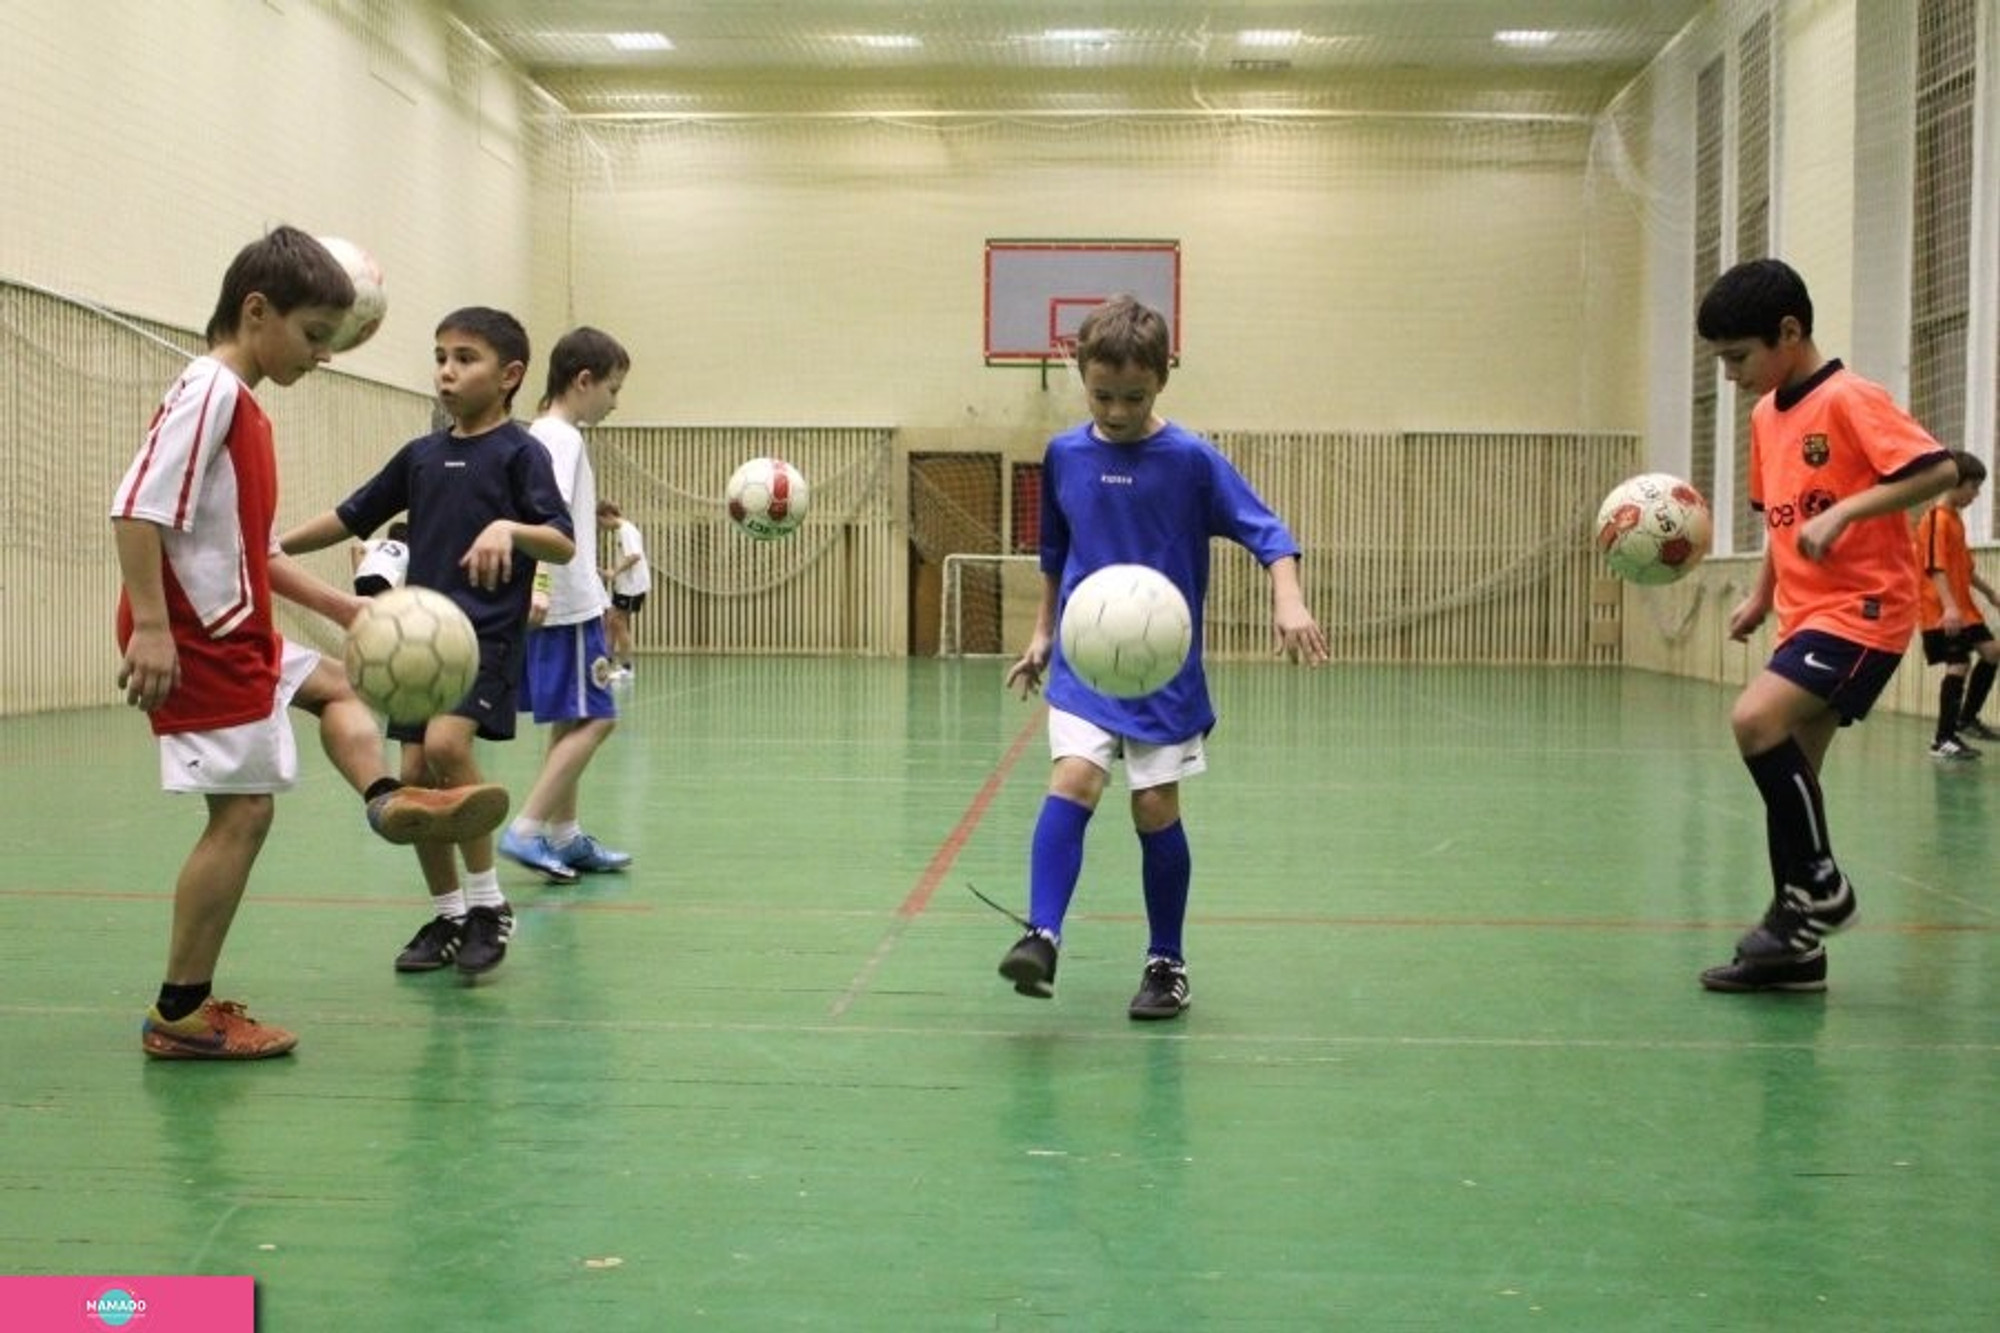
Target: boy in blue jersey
{"points": [[1130, 487], [483, 508]]}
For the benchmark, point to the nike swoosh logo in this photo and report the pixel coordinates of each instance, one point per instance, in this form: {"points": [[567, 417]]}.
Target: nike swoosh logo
{"points": [[1816, 664]]}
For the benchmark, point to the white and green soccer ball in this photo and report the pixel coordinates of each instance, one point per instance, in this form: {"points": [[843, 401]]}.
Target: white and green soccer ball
{"points": [[1126, 631]]}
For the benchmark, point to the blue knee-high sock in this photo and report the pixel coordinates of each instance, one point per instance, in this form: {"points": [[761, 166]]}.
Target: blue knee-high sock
{"points": [[1166, 869], [1055, 861]]}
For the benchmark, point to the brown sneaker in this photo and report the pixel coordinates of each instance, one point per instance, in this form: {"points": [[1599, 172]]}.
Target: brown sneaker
{"points": [[432, 814], [219, 1030]]}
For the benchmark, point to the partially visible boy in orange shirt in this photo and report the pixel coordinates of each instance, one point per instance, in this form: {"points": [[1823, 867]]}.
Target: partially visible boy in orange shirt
{"points": [[1952, 627], [1833, 465]]}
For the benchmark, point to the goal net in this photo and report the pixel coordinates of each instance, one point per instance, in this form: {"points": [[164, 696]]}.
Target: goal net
{"points": [[989, 604]]}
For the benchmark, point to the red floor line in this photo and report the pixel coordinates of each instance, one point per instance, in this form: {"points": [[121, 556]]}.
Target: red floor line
{"points": [[940, 864], [954, 843]]}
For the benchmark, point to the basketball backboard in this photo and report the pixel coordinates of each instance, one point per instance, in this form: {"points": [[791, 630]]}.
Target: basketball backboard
{"points": [[1038, 291]]}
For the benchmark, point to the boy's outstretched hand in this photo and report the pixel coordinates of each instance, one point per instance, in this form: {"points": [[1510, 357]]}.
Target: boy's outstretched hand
{"points": [[1025, 676], [1299, 636]]}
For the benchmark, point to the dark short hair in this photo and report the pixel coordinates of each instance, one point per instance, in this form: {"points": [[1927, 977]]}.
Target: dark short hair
{"points": [[581, 349], [290, 269], [1752, 300], [1969, 466], [1125, 331], [399, 531], [497, 329]]}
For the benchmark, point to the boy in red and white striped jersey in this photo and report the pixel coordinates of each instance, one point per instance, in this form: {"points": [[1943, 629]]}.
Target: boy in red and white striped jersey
{"points": [[202, 657]]}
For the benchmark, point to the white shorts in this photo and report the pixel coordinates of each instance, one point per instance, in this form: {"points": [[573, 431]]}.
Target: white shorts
{"points": [[254, 758], [1146, 765]]}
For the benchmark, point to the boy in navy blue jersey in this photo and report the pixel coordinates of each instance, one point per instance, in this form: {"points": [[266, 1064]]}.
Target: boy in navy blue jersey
{"points": [[1130, 487], [483, 508]]}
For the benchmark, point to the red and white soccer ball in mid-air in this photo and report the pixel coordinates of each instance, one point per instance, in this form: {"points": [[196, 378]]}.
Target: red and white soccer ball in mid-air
{"points": [[1653, 528], [1126, 630], [768, 498], [371, 303], [411, 654]]}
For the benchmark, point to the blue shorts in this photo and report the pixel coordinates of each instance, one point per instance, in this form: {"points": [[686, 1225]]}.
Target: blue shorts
{"points": [[569, 673], [1847, 675]]}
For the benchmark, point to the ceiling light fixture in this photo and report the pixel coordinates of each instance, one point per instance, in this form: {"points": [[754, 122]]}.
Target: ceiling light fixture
{"points": [[1524, 37], [1269, 37], [640, 41], [1081, 36], [889, 41]]}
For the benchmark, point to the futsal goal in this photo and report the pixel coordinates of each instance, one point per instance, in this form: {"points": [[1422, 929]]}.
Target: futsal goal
{"points": [[989, 604]]}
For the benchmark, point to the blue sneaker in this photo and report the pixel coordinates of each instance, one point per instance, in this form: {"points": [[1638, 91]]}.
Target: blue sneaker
{"points": [[536, 854], [587, 854]]}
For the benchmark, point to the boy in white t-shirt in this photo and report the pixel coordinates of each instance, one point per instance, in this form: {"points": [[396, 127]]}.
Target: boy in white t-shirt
{"points": [[569, 671], [630, 579]]}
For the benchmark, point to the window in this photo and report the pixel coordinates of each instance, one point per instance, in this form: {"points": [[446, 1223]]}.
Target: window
{"points": [[1941, 215]]}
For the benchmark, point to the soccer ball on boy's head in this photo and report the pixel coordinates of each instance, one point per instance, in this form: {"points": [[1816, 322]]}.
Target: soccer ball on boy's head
{"points": [[1653, 528], [411, 654], [371, 303], [1126, 631], [768, 498]]}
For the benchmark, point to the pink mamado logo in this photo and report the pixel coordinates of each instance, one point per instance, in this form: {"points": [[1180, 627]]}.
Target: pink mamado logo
{"points": [[115, 1308]]}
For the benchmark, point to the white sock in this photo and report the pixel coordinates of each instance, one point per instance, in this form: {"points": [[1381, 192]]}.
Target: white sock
{"points": [[524, 827], [450, 906], [483, 889], [562, 835]]}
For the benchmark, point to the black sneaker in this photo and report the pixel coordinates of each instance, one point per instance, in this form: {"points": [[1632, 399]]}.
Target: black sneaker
{"points": [[1793, 972], [1978, 730], [1163, 990], [1796, 922], [432, 947], [1953, 750], [483, 944], [1031, 965]]}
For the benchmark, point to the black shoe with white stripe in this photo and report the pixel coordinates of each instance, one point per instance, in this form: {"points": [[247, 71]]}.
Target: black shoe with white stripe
{"points": [[1163, 990], [1796, 922], [1031, 965], [431, 947], [483, 944], [1793, 972]]}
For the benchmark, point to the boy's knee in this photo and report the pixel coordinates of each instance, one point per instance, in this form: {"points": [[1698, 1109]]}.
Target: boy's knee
{"points": [[248, 816]]}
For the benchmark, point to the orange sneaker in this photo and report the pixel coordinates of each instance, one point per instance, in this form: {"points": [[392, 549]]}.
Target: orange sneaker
{"points": [[432, 814], [219, 1030]]}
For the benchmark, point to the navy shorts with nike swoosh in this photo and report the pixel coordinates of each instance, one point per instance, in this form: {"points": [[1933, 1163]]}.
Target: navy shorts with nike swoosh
{"points": [[1849, 676]]}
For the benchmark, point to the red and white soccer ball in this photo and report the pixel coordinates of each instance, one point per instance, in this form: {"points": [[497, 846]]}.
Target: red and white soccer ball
{"points": [[411, 654], [768, 498], [1653, 528], [371, 302], [1126, 630]]}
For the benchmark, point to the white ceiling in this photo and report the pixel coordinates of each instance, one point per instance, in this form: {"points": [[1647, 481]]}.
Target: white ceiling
{"points": [[988, 56]]}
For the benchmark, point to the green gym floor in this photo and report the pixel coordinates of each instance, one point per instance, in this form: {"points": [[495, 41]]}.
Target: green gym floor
{"points": [[1447, 1066]]}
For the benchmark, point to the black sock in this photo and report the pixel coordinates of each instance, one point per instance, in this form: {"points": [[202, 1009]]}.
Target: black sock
{"points": [[1951, 690], [380, 786], [179, 1001], [1975, 692], [1795, 813]]}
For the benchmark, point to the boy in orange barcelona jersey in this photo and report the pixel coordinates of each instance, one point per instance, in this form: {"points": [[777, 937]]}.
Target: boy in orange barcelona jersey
{"points": [[1834, 463], [1953, 631]]}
